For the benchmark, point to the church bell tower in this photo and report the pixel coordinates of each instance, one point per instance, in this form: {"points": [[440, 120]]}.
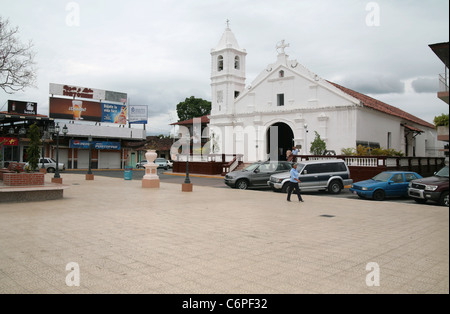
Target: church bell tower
{"points": [[227, 73]]}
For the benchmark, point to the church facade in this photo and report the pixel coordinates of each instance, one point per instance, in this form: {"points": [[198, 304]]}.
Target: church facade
{"points": [[286, 104]]}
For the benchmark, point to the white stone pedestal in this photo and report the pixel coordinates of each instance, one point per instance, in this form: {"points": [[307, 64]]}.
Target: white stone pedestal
{"points": [[151, 178]]}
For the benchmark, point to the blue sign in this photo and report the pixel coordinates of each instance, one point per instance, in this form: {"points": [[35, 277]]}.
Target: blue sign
{"points": [[112, 113], [83, 144]]}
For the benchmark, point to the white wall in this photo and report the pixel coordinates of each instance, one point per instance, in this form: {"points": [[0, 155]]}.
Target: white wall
{"points": [[84, 130]]}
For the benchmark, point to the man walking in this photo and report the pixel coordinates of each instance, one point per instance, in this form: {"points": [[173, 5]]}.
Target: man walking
{"points": [[293, 184]]}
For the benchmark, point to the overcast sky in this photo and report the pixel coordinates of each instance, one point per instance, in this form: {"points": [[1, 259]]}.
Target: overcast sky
{"points": [[158, 52]]}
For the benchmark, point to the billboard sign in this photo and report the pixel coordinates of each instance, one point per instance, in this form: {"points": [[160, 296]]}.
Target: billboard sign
{"points": [[112, 113], [76, 91], [22, 107], [100, 145], [61, 108], [137, 114], [87, 93], [70, 109]]}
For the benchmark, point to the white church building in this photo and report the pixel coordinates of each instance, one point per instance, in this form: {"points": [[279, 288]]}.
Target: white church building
{"points": [[298, 102]]}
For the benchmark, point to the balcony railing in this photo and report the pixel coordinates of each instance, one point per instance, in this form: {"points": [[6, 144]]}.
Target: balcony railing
{"points": [[443, 83]]}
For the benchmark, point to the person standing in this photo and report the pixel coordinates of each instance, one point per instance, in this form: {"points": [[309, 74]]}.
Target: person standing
{"points": [[295, 150], [293, 184]]}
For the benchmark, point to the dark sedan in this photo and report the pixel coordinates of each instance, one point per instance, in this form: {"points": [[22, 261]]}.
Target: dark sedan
{"points": [[256, 175]]}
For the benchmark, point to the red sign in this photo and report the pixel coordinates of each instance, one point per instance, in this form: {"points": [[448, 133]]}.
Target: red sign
{"points": [[9, 141]]}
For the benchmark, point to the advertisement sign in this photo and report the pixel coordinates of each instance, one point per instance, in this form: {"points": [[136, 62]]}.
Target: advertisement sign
{"points": [[137, 114], [115, 97], [22, 107], [70, 109], [76, 91], [87, 93], [116, 114], [9, 141], [84, 144]]}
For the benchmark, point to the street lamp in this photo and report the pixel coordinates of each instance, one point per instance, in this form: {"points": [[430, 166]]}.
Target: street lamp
{"points": [[44, 137], [187, 180], [56, 131], [11, 132], [89, 173], [187, 185]]}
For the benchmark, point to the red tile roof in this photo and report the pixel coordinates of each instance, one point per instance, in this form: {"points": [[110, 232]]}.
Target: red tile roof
{"points": [[204, 120], [383, 107]]}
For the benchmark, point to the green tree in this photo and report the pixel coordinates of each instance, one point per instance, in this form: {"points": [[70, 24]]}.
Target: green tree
{"points": [[318, 146], [193, 108], [33, 151], [441, 120]]}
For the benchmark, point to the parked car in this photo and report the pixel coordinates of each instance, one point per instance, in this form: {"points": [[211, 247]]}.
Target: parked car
{"points": [[332, 175], [433, 188], [170, 164], [49, 164], [162, 163], [141, 164], [385, 184], [256, 175]]}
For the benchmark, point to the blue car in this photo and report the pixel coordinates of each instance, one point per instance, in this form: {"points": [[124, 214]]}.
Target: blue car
{"points": [[385, 184]]}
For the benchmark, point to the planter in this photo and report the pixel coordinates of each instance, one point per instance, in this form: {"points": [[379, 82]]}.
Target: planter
{"points": [[23, 179]]}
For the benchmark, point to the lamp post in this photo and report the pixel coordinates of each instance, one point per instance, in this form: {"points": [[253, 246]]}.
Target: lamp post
{"points": [[306, 139], [187, 180], [187, 185], [44, 137], [57, 129], [11, 132], [90, 175]]}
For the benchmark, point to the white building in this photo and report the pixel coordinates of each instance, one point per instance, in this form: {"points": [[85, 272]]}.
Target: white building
{"points": [[297, 101]]}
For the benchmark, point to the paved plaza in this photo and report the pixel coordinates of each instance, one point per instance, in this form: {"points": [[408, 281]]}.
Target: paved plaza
{"points": [[126, 239]]}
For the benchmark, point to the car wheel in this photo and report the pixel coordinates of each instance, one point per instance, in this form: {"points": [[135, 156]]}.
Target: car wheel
{"points": [[335, 187], [285, 187], [51, 170], [378, 195], [242, 185], [443, 201]]}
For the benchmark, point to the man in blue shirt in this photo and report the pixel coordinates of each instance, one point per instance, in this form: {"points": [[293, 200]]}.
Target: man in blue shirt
{"points": [[293, 184]]}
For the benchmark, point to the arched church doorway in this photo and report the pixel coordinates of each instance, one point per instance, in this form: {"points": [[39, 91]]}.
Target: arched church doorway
{"points": [[280, 139]]}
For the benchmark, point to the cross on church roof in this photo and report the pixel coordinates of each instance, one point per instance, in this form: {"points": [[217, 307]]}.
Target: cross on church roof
{"points": [[282, 46], [228, 23]]}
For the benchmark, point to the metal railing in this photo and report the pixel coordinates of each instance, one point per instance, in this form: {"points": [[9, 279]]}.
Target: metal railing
{"points": [[443, 82]]}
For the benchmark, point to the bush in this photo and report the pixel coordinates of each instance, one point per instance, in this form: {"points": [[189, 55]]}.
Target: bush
{"points": [[348, 151], [366, 151]]}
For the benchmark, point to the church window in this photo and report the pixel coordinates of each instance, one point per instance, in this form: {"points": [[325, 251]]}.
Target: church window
{"points": [[236, 94], [281, 73], [219, 96], [280, 100], [220, 63], [237, 63]]}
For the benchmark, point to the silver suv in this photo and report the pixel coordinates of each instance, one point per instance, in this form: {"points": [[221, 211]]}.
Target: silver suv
{"points": [[332, 175]]}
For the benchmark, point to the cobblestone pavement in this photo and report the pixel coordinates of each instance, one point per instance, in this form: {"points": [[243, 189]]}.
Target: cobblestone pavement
{"points": [[121, 238]]}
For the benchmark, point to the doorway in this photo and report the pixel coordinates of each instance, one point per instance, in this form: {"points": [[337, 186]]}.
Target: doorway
{"points": [[284, 137]]}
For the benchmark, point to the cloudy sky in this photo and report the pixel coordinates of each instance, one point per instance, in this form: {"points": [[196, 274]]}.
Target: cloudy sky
{"points": [[158, 51]]}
